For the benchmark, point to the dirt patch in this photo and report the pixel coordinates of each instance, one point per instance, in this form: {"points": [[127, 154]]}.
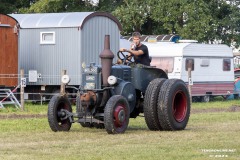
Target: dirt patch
{"points": [[21, 116], [234, 108]]}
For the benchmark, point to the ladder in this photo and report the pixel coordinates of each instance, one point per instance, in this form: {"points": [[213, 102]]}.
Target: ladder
{"points": [[8, 98]]}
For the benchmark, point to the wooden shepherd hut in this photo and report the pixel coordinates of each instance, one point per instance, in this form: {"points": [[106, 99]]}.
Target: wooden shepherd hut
{"points": [[8, 51]]}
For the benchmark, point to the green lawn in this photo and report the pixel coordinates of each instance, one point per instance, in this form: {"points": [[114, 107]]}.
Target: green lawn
{"points": [[209, 135]]}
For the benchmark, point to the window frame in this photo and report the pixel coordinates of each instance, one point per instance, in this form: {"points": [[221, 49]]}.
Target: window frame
{"points": [[187, 62], [228, 61], [42, 41]]}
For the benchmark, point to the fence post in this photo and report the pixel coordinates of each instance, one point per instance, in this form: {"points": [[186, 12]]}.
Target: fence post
{"points": [[22, 90], [62, 89], [41, 99], [190, 83]]}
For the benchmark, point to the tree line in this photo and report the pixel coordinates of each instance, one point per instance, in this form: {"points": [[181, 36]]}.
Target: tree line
{"points": [[203, 20]]}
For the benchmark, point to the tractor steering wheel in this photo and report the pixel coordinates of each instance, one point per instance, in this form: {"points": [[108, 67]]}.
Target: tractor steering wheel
{"points": [[125, 58]]}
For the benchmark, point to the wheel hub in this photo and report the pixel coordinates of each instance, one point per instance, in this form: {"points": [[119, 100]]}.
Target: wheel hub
{"points": [[61, 114], [179, 107], [119, 115]]}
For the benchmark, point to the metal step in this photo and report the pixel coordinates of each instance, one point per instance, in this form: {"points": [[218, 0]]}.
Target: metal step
{"points": [[8, 98], [8, 102]]}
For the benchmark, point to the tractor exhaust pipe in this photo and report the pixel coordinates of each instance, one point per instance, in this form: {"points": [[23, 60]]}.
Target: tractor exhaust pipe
{"points": [[106, 60]]}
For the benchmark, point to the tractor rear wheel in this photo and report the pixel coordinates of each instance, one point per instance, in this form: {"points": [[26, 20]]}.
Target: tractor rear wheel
{"points": [[116, 115], [173, 105], [55, 115], [150, 104]]}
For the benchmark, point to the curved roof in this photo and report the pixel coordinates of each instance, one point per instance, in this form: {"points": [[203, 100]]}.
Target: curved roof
{"points": [[4, 20], [55, 20], [170, 49]]}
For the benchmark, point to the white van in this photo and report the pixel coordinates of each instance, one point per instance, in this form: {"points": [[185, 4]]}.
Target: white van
{"points": [[212, 66]]}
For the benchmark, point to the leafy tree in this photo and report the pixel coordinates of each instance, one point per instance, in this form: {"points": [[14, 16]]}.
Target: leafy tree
{"points": [[108, 5], [49, 6], [12, 6], [44, 6], [77, 6], [132, 15], [190, 19], [23, 3], [203, 20], [227, 21], [7, 6]]}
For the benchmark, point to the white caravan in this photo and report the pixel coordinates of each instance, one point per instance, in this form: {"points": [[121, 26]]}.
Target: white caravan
{"points": [[212, 66]]}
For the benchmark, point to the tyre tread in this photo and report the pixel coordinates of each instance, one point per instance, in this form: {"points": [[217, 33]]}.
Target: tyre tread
{"points": [[150, 104]]}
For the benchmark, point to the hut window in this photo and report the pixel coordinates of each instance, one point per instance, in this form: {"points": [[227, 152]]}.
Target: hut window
{"points": [[47, 37]]}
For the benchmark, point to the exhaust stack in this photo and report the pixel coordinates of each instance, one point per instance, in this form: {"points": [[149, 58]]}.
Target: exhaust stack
{"points": [[106, 60]]}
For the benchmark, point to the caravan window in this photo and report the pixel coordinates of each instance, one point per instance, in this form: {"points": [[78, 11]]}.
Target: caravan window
{"points": [[164, 63], [226, 64], [189, 63]]}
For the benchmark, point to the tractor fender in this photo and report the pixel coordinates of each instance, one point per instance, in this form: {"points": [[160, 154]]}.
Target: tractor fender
{"points": [[127, 90], [141, 77]]}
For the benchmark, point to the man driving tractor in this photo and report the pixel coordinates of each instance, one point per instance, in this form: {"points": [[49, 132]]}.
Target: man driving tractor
{"points": [[138, 50]]}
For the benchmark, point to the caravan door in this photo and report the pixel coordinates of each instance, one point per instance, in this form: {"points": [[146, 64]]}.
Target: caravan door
{"points": [[177, 68]]}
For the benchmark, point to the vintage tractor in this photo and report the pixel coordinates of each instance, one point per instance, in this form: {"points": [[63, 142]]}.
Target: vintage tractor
{"points": [[111, 94]]}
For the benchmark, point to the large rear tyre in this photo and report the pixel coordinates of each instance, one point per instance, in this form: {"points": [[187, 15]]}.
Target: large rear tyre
{"points": [[150, 104], [116, 115], [173, 105], [55, 115]]}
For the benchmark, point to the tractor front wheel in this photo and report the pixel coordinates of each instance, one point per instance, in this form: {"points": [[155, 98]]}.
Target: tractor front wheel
{"points": [[56, 119], [116, 115]]}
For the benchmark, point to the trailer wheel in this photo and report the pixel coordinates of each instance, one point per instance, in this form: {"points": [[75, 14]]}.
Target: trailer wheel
{"points": [[150, 104], [116, 115], [54, 113], [196, 99], [173, 105], [205, 98]]}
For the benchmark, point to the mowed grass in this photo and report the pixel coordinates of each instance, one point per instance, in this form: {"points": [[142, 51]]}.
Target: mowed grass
{"points": [[208, 135]]}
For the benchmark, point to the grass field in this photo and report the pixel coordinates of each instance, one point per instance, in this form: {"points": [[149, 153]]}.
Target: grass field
{"points": [[213, 132]]}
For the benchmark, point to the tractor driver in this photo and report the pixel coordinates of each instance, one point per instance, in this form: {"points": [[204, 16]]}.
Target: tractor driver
{"points": [[138, 50]]}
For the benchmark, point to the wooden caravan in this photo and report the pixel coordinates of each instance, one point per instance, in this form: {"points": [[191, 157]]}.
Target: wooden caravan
{"points": [[8, 51]]}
